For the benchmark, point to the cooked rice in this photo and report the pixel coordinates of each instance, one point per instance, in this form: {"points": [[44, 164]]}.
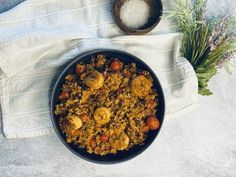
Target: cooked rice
{"points": [[127, 112]]}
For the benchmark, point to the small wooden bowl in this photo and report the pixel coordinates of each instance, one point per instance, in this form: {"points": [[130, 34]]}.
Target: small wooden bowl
{"points": [[156, 10]]}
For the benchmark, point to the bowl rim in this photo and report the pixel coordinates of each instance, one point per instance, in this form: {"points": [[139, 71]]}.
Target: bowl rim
{"points": [[131, 31], [55, 86]]}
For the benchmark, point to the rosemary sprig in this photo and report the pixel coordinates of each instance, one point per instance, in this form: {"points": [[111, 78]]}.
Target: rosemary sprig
{"points": [[207, 44]]}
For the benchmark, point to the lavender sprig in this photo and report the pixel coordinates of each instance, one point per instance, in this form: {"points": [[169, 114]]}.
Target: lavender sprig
{"points": [[231, 53], [208, 46], [201, 15], [219, 32], [226, 58]]}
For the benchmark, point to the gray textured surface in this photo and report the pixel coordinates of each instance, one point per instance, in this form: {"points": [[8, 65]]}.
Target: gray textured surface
{"points": [[199, 144]]}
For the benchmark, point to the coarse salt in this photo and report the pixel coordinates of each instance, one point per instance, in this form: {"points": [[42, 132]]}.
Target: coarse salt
{"points": [[134, 13]]}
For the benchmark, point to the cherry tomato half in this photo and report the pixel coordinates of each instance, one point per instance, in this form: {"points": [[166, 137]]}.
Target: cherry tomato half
{"points": [[93, 143], [151, 104], [79, 69], [104, 138], [116, 65], [63, 95], [153, 123]]}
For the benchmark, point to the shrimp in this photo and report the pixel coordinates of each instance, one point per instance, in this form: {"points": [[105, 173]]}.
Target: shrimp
{"points": [[120, 141], [102, 115], [141, 86], [71, 123], [95, 80]]}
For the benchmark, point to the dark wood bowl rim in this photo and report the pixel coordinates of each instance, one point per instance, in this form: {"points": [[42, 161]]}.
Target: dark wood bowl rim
{"points": [[135, 31]]}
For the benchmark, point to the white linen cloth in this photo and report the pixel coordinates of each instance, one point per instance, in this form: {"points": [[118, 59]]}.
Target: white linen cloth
{"points": [[37, 37]]}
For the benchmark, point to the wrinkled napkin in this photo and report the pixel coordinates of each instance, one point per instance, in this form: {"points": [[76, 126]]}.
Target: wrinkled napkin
{"points": [[38, 37]]}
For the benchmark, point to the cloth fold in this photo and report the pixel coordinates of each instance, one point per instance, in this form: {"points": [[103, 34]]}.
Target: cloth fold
{"points": [[40, 37]]}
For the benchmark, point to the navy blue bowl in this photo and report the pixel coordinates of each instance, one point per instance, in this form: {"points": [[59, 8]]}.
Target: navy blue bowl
{"points": [[120, 156]]}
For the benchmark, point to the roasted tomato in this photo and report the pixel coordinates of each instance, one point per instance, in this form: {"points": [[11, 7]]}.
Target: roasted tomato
{"points": [[92, 143], [104, 138], [151, 104], [63, 95], [79, 69], [153, 123], [116, 65]]}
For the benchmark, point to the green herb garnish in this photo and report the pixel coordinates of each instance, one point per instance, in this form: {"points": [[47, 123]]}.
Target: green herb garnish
{"points": [[208, 44]]}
